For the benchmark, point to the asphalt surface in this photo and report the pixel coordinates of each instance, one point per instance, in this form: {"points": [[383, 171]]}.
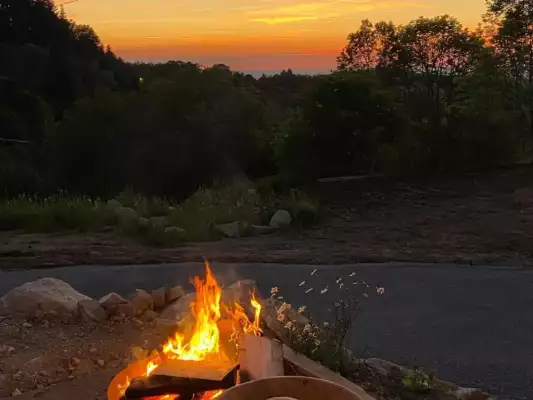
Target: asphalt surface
{"points": [[472, 325]]}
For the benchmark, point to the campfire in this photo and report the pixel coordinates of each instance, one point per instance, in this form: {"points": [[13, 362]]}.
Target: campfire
{"points": [[200, 362]]}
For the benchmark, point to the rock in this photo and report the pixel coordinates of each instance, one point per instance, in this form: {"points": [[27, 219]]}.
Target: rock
{"points": [[75, 361], [149, 315], [127, 216], [159, 222], [177, 312], [270, 317], [100, 363], [16, 392], [27, 325], [470, 394], [126, 310], [262, 229], [48, 295], [91, 311], [159, 296], [386, 368], [174, 293], [241, 292], [234, 229], [142, 301], [113, 206], [112, 299], [280, 219]]}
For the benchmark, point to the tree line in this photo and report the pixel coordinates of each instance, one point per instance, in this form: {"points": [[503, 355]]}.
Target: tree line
{"points": [[424, 97]]}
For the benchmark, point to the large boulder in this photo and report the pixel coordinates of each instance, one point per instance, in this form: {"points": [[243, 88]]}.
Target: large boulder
{"points": [[241, 292], [281, 219], [178, 309], [91, 311], [44, 296], [178, 313]]}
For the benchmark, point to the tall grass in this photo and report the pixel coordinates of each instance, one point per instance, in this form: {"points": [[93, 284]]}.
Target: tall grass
{"points": [[198, 215], [54, 213]]}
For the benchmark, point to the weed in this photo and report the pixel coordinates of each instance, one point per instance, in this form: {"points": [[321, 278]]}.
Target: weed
{"points": [[418, 381]]}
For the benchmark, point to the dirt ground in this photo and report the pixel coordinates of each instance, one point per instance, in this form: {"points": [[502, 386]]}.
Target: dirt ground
{"points": [[59, 361], [474, 219]]}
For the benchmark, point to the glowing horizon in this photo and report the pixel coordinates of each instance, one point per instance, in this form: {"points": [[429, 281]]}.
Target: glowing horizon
{"points": [[249, 35]]}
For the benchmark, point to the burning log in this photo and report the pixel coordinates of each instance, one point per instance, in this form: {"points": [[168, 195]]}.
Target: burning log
{"points": [[260, 357], [183, 378]]}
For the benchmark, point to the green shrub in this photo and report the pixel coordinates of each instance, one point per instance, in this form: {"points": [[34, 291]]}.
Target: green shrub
{"points": [[303, 209]]}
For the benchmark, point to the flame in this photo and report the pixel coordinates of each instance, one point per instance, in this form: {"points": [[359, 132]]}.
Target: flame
{"points": [[206, 310], [204, 340], [212, 395]]}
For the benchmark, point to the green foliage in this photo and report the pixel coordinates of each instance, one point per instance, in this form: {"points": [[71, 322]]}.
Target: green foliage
{"points": [[339, 128], [424, 97], [418, 381], [56, 213], [327, 343], [211, 206]]}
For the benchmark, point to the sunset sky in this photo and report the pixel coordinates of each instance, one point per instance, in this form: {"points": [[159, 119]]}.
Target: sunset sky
{"points": [[304, 35]]}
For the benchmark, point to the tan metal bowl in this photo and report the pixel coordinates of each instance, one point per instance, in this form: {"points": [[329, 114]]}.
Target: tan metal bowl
{"points": [[292, 387]]}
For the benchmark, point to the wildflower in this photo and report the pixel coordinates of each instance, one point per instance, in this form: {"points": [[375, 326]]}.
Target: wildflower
{"points": [[307, 328], [283, 307], [309, 290], [281, 317], [274, 290], [301, 284], [326, 324], [313, 272], [288, 325], [352, 274], [380, 290], [324, 290], [301, 309], [338, 280]]}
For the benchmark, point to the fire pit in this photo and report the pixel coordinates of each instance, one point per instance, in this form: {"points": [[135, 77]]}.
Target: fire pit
{"points": [[198, 364]]}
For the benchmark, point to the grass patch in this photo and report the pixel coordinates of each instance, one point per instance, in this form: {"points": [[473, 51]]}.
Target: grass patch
{"points": [[52, 214], [157, 221]]}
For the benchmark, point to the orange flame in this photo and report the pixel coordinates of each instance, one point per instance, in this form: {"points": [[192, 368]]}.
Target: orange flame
{"points": [[204, 341], [206, 310]]}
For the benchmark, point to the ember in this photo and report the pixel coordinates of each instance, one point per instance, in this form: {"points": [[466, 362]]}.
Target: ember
{"points": [[161, 377]]}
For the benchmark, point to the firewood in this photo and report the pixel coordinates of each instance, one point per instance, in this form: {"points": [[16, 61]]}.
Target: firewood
{"points": [[184, 378], [260, 357]]}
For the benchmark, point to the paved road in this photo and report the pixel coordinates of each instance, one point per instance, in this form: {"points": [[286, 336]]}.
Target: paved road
{"points": [[473, 325]]}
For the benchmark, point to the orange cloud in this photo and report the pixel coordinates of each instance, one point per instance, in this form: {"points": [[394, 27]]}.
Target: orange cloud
{"points": [[320, 10]]}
